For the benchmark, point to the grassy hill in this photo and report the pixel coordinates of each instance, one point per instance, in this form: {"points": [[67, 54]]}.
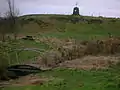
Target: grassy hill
{"points": [[77, 27], [63, 26]]}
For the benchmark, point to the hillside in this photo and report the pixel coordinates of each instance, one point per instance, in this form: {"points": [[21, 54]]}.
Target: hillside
{"points": [[65, 25]]}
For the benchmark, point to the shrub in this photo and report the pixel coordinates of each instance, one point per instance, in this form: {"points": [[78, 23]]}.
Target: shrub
{"points": [[51, 58], [3, 61], [5, 50]]}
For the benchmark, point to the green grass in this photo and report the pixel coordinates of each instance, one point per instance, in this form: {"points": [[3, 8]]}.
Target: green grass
{"points": [[76, 80], [77, 31], [83, 31], [33, 44], [23, 57], [27, 55]]}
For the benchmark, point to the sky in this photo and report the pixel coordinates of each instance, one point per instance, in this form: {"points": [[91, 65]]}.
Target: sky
{"points": [[107, 8]]}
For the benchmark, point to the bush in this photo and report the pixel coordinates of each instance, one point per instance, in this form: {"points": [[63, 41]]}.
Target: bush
{"points": [[3, 62], [3, 66], [51, 58], [5, 50]]}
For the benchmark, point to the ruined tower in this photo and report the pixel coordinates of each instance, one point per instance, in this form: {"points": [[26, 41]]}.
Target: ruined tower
{"points": [[76, 10]]}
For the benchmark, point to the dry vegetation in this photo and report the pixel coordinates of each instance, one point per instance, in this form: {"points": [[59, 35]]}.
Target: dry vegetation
{"points": [[70, 49], [91, 62]]}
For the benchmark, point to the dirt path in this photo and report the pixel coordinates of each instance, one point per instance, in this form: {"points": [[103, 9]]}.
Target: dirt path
{"points": [[91, 62], [26, 80]]}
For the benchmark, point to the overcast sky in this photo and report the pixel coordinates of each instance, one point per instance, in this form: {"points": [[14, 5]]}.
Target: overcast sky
{"points": [[87, 7]]}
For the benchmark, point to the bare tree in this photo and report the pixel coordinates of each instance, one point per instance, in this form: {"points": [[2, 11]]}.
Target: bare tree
{"points": [[9, 23], [2, 28], [12, 16]]}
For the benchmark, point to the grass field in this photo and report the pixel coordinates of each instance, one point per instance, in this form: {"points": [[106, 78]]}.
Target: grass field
{"points": [[66, 79]]}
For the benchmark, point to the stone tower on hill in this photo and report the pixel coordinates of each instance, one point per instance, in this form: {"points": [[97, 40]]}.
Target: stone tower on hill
{"points": [[76, 10]]}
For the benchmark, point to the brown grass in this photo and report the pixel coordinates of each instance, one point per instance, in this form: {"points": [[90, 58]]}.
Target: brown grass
{"points": [[51, 58], [91, 62], [70, 49]]}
